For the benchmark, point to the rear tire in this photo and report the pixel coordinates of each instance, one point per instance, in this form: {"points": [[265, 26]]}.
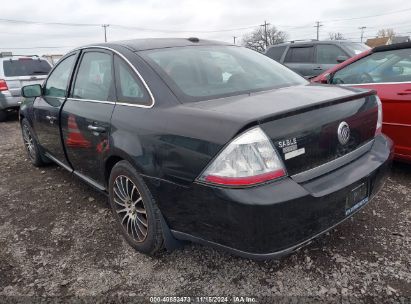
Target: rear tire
{"points": [[3, 115], [135, 209], [34, 151]]}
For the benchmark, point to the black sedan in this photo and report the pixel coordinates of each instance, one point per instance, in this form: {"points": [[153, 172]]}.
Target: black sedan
{"points": [[208, 142]]}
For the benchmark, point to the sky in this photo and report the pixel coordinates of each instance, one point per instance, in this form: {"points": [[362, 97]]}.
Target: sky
{"points": [[207, 19]]}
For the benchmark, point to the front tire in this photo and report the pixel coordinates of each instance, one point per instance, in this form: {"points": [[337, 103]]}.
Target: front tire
{"points": [[3, 115], [135, 209], [32, 146]]}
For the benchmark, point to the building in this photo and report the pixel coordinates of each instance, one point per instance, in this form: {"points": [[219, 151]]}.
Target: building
{"points": [[52, 59], [400, 39], [374, 42]]}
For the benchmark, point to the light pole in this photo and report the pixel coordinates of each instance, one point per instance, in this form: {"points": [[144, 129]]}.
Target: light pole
{"points": [[362, 28], [318, 25], [105, 26]]}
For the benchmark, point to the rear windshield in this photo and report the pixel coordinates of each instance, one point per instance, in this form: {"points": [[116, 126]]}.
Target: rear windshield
{"points": [[25, 67], [357, 47], [200, 73]]}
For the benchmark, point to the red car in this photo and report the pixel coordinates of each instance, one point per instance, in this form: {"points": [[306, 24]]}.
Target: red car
{"points": [[386, 69]]}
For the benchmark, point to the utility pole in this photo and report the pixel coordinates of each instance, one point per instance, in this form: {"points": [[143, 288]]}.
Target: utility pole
{"points": [[265, 32], [105, 26], [362, 28], [234, 37], [318, 25]]}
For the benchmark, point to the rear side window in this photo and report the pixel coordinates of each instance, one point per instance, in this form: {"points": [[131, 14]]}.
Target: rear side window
{"points": [[94, 79], [276, 52], [300, 54], [328, 53], [56, 85], [25, 67], [128, 87]]}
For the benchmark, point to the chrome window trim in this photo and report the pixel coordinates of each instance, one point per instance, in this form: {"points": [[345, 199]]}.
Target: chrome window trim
{"points": [[92, 100], [49, 96], [107, 102], [135, 71], [371, 83], [332, 165]]}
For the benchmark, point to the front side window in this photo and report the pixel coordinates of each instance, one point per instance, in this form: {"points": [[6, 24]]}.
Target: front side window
{"points": [[390, 66], [57, 83], [328, 53], [200, 72], [128, 87], [299, 54], [94, 79]]}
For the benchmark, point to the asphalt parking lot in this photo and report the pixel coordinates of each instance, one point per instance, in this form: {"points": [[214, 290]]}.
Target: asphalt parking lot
{"points": [[58, 238]]}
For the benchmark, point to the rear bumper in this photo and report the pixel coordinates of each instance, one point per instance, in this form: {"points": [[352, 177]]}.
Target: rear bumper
{"points": [[8, 101], [403, 157], [273, 219]]}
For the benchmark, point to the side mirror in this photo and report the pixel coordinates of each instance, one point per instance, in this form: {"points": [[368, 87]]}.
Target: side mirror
{"points": [[342, 58], [326, 79], [30, 91]]}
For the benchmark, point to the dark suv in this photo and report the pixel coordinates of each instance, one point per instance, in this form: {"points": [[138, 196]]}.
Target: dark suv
{"points": [[311, 58]]}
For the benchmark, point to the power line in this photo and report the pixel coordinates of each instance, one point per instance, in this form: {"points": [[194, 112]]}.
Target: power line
{"points": [[46, 23], [40, 47], [370, 16], [125, 26], [187, 31]]}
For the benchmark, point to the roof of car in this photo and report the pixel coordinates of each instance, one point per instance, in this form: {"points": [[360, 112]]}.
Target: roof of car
{"points": [[390, 47], [16, 57], [159, 43], [313, 41]]}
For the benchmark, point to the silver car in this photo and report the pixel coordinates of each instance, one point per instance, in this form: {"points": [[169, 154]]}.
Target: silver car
{"points": [[16, 72]]}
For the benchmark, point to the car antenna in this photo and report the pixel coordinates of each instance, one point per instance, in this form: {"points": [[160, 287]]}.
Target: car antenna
{"points": [[193, 39]]}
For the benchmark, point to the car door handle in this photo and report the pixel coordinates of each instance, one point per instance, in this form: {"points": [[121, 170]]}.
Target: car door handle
{"points": [[51, 118], [406, 92], [318, 69], [96, 129]]}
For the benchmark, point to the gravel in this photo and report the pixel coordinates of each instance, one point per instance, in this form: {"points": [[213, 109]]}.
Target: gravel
{"points": [[58, 239]]}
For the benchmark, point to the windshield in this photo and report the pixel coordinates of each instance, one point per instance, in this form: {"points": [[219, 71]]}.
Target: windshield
{"points": [[25, 67], [200, 73], [379, 67], [357, 47]]}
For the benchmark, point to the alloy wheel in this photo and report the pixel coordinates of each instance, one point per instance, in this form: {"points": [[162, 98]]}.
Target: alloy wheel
{"points": [[29, 142], [130, 208]]}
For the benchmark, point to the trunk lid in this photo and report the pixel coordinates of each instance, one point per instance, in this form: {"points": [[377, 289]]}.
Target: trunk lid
{"points": [[303, 121], [312, 138]]}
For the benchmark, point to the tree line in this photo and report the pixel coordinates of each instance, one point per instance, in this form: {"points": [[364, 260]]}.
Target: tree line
{"points": [[259, 38]]}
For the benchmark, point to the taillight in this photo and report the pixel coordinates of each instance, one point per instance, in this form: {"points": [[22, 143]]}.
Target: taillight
{"points": [[379, 120], [3, 85], [247, 160]]}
